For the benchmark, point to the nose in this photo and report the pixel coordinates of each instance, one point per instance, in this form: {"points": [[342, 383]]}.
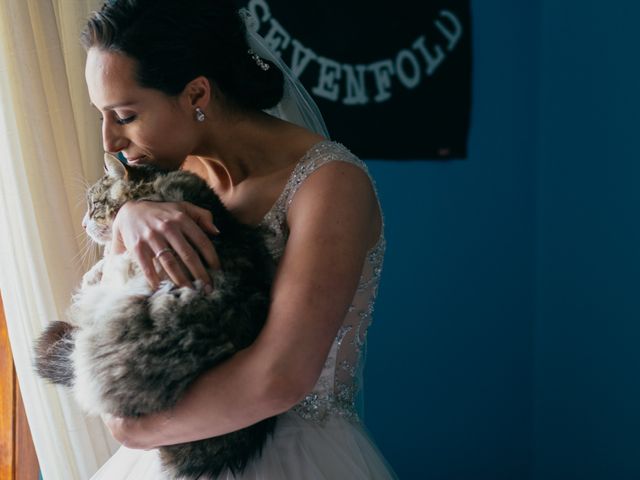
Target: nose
{"points": [[112, 139]]}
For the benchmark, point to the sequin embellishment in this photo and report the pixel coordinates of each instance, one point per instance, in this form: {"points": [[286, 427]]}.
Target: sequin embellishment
{"points": [[341, 377]]}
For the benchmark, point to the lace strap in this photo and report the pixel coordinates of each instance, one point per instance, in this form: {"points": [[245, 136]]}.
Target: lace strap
{"points": [[319, 155]]}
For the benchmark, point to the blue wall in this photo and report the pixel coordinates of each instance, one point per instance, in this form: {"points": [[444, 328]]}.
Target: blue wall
{"points": [[506, 340], [587, 336], [448, 387]]}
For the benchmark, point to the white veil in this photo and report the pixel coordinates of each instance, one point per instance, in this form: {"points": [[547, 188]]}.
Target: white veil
{"points": [[296, 105]]}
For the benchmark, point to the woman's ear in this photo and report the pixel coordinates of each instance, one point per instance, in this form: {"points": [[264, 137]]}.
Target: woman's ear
{"points": [[197, 93]]}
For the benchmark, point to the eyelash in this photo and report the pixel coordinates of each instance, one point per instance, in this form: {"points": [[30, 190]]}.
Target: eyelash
{"points": [[122, 121]]}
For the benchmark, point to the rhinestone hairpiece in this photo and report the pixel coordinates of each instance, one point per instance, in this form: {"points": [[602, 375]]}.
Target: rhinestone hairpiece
{"points": [[261, 63]]}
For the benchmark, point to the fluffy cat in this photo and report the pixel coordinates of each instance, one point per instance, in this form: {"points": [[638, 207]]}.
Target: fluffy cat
{"points": [[127, 350]]}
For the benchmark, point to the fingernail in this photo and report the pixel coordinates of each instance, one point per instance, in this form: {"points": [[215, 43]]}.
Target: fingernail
{"points": [[216, 231]]}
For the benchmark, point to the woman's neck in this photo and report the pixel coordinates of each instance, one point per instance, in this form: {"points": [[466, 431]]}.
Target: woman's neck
{"points": [[248, 146], [243, 146]]}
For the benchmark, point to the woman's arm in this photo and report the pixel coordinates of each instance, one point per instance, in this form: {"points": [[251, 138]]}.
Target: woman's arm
{"points": [[333, 220]]}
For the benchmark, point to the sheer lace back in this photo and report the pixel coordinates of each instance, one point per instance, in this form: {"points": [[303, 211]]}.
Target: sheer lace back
{"points": [[341, 378]]}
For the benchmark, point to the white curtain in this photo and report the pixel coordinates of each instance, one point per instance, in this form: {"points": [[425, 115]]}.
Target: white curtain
{"points": [[49, 142]]}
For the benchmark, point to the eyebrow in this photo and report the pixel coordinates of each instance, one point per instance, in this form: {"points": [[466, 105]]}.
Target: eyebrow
{"points": [[114, 106]]}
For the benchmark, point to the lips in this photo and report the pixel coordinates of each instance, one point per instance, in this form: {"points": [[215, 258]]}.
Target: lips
{"points": [[134, 159]]}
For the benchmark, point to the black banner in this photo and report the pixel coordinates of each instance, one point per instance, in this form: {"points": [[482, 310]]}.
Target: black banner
{"points": [[392, 81]]}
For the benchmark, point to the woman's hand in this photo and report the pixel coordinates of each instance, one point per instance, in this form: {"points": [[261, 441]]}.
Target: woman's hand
{"points": [[136, 433], [121, 429], [171, 233]]}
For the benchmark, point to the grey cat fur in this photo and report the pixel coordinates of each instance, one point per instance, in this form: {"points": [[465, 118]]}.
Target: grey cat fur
{"points": [[127, 350]]}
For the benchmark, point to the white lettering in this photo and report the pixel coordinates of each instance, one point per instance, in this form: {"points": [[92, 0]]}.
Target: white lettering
{"points": [[253, 8], [356, 87], [382, 71], [275, 42], [298, 64], [351, 80], [330, 73], [452, 35], [409, 80], [432, 62]]}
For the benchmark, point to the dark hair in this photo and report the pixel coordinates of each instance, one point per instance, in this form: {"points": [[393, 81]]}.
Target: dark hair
{"points": [[175, 41]]}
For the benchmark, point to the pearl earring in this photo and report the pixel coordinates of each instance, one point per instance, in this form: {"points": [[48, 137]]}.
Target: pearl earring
{"points": [[200, 114]]}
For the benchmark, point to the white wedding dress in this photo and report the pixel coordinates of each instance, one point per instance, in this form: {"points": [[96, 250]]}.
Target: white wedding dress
{"points": [[322, 437]]}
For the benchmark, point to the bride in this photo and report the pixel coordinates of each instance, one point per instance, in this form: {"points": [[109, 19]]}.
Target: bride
{"points": [[191, 85]]}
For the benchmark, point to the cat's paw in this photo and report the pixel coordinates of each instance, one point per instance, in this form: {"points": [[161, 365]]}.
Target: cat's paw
{"points": [[93, 276]]}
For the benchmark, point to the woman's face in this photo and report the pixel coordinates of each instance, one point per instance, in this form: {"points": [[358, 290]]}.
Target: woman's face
{"points": [[146, 125]]}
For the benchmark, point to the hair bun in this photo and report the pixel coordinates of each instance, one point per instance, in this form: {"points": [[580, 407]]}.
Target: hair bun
{"points": [[174, 42]]}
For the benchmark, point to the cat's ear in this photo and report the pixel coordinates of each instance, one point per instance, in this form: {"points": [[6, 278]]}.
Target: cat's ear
{"points": [[114, 167]]}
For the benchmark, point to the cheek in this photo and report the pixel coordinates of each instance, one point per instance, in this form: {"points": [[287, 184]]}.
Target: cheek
{"points": [[168, 141]]}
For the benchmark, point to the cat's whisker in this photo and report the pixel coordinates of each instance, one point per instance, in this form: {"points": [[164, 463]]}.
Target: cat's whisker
{"points": [[82, 185], [90, 255], [87, 254], [79, 257], [81, 181]]}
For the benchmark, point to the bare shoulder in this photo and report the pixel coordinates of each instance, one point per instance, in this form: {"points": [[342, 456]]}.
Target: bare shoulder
{"points": [[334, 181], [338, 194]]}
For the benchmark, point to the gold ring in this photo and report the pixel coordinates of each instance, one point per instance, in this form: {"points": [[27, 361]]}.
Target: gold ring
{"points": [[164, 250]]}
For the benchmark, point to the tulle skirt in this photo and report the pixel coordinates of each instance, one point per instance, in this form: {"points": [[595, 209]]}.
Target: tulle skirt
{"points": [[299, 450]]}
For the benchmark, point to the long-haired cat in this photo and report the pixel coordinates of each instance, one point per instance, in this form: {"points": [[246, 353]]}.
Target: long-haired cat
{"points": [[127, 350]]}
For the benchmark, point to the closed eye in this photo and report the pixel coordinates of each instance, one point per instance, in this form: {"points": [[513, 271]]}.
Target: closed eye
{"points": [[124, 121], [121, 121]]}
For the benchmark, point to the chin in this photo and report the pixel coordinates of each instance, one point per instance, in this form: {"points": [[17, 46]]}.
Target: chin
{"points": [[99, 235]]}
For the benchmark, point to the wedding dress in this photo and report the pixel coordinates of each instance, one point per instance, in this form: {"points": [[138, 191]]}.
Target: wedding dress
{"points": [[322, 437]]}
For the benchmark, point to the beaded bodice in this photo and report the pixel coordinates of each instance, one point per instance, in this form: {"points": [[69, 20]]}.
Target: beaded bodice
{"points": [[341, 377]]}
